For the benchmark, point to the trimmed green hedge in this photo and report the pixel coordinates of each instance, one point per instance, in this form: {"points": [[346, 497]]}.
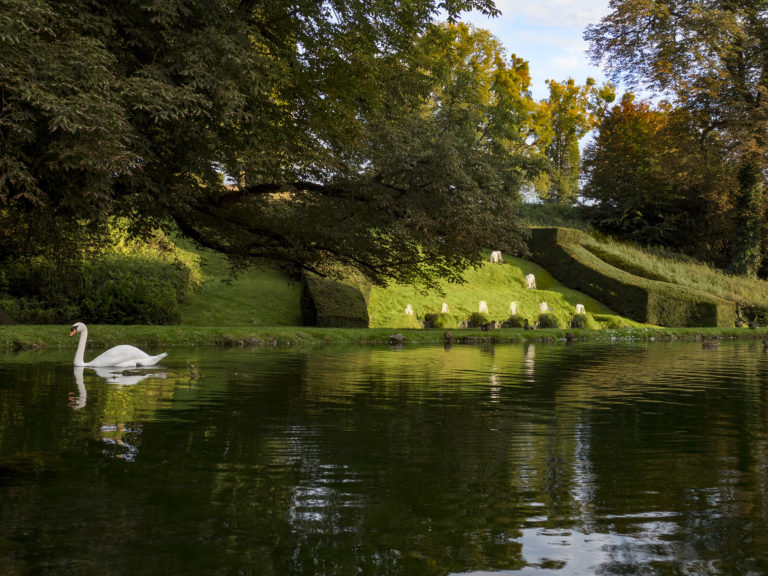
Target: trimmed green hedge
{"points": [[441, 320], [559, 250], [332, 304], [548, 320]]}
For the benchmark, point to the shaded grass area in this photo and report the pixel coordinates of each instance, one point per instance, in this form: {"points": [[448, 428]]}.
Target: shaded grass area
{"points": [[261, 297]]}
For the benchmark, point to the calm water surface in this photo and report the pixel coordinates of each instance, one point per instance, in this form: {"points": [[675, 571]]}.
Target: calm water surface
{"points": [[517, 459]]}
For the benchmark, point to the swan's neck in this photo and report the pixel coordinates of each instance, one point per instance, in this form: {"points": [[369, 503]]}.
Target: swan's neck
{"points": [[79, 361]]}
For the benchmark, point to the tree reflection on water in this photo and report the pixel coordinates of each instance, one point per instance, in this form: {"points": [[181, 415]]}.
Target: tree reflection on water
{"points": [[530, 459]]}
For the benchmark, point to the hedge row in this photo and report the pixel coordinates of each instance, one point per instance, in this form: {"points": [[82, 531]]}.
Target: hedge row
{"points": [[332, 304], [559, 250]]}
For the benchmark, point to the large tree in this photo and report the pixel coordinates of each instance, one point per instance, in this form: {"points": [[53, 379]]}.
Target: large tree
{"points": [[301, 131], [711, 57], [658, 181], [484, 101], [564, 118]]}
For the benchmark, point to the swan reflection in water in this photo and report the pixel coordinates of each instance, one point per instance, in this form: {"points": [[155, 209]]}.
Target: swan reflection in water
{"points": [[119, 376], [120, 439]]}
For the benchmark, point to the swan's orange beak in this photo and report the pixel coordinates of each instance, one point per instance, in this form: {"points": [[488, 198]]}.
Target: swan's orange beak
{"points": [[73, 332]]}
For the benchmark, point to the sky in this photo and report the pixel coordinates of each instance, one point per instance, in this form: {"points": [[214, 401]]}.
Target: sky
{"points": [[549, 35]]}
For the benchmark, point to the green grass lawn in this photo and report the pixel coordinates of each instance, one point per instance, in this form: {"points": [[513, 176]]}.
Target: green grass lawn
{"points": [[258, 297], [266, 296], [498, 285]]}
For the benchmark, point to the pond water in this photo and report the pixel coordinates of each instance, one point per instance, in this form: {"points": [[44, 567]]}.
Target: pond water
{"points": [[531, 459]]}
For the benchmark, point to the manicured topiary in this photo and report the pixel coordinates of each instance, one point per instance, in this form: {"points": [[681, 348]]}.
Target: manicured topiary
{"points": [[548, 320], [477, 320], [332, 303], [649, 301], [585, 321], [514, 321], [442, 320]]}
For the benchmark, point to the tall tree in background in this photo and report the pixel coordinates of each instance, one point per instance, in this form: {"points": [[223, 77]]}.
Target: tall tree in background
{"points": [[565, 117], [318, 114], [712, 58], [656, 180], [483, 99]]}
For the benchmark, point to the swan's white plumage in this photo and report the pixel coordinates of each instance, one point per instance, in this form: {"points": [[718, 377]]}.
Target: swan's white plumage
{"points": [[122, 356]]}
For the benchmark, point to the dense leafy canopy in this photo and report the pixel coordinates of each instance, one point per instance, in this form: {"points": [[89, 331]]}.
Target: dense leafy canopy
{"points": [[314, 133], [711, 58], [656, 181]]}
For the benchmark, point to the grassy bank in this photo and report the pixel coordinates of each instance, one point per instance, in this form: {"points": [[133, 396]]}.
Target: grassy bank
{"points": [[261, 307], [154, 338]]}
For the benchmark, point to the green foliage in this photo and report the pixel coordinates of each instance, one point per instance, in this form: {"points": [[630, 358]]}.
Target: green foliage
{"points": [[132, 291], [442, 321], [710, 58], [565, 117], [112, 291], [746, 254], [478, 319], [332, 303], [656, 179], [585, 321], [551, 214], [514, 321], [324, 115], [548, 320], [648, 301], [30, 311], [118, 282]]}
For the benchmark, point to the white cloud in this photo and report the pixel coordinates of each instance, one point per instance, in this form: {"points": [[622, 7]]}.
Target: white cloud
{"points": [[549, 35]]}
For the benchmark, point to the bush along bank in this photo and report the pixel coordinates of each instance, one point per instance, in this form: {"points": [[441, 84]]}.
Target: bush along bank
{"points": [[114, 290]]}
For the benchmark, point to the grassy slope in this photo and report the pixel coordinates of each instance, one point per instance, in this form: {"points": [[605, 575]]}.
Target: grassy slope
{"points": [[262, 296], [266, 297], [668, 267], [258, 297], [497, 284]]}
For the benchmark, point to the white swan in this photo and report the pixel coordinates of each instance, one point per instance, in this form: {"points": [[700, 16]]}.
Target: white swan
{"points": [[123, 356]]}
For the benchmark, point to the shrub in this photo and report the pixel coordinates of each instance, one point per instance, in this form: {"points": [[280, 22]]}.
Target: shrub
{"points": [[548, 320], [442, 320], [117, 290], [332, 303], [478, 319], [754, 313], [133, 291], [514, 321], [30, 311], [585, 321]]}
